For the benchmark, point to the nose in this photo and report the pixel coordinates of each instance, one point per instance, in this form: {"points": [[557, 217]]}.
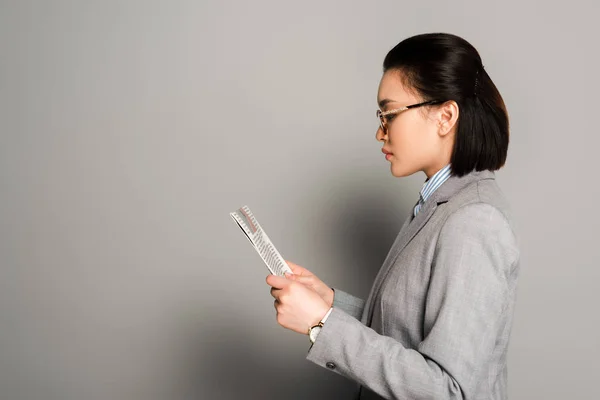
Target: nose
{"points": [[380, 134]]}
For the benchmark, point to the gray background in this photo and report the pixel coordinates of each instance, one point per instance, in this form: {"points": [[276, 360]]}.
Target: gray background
{"points": [[130, 129]]}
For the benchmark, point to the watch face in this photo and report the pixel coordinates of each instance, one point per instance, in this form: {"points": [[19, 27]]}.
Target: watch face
{"points": [[313, 333]]}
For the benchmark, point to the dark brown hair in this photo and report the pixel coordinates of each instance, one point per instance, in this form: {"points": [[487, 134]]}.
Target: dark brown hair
{"points": [[442, 66]]}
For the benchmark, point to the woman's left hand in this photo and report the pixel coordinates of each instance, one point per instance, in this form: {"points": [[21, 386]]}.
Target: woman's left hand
{"points": [[298, 306]]}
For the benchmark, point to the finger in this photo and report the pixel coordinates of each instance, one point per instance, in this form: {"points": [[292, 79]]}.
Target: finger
{"points": [[296, 269], [275, 292], [278, 282], [277, 305], [306, 280]]}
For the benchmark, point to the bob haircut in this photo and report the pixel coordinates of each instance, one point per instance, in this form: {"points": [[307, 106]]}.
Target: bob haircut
{"points": [[442, 66]]}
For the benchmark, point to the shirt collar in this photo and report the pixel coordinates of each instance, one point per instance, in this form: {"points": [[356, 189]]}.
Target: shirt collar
{"points": [[435, 182]]}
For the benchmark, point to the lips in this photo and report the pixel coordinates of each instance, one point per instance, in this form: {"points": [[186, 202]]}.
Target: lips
{"points": [[384, 151]]}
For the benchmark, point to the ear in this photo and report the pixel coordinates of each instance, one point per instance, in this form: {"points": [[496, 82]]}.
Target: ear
{"points": [[447, 115]]}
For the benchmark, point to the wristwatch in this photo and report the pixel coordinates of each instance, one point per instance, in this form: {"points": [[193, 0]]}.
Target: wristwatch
{"points": [[314, 330]]}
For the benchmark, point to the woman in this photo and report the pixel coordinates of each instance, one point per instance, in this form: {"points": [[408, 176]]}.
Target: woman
{"points": [[437, 322]]}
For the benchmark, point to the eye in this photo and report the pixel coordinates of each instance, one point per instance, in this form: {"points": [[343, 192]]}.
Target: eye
{"points": [[390, 117]]}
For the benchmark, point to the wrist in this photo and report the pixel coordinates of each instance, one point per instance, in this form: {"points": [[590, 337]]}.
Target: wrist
{"points": [[321, 314], [329, 297], [314, 330]]}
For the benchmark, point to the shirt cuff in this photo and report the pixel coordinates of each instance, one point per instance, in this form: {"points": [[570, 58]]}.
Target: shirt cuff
{"points": [[323, 322], [326, 315]]}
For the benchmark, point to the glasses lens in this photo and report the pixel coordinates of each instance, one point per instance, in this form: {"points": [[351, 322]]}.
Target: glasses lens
{"points": [[381, 120]]}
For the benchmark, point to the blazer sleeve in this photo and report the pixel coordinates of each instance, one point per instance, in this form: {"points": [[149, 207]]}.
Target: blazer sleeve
{"points": [[464, 313], [351, 305]]}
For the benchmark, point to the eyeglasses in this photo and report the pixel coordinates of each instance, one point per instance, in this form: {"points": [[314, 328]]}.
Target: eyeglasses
{"points": [[382, 114]]}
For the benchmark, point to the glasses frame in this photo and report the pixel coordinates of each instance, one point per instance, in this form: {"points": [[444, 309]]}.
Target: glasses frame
{"points": [[382, 114]]}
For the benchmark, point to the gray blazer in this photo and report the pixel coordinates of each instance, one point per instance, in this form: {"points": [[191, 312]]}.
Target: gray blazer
{"points": [[437, 322]]}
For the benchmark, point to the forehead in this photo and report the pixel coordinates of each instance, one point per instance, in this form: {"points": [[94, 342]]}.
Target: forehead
{"points": [[392, 88]]}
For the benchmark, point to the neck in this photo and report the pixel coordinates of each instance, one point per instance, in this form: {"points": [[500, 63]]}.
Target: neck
{"points": [[431, 171]]}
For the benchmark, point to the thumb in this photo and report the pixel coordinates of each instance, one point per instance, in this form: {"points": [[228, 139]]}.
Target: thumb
{"points": [[291, 264], [296, 269], [290, 275], [306, 280]]}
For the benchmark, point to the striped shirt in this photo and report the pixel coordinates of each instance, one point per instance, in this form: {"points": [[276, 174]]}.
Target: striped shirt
{"points": [[431, 185]]}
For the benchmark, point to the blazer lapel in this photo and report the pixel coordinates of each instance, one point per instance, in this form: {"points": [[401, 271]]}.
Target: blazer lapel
{"points": [[412, 226]]}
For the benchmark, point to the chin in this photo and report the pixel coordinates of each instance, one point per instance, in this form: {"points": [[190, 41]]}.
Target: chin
{"points": [[399, 172]]}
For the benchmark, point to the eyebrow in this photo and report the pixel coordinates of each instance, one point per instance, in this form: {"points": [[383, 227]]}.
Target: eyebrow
{"points": [[384, 102]]}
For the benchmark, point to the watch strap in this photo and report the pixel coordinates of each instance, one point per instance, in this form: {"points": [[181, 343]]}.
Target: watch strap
{"points": [[320, 324]]}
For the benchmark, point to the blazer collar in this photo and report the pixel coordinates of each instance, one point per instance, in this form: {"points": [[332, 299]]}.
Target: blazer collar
{"points": [[411, 227], [455, 184]]}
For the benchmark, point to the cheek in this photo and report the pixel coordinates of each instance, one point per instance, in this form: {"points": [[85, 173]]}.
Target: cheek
{"points": [[408, 140]]}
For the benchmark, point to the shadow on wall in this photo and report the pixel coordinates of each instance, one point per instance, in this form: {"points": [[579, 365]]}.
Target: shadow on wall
{"points": [[357, 225], [245, 365], [361, 222]]}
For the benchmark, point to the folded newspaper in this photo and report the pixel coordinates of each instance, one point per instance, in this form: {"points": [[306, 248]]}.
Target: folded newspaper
{"points": [[261, 242]]}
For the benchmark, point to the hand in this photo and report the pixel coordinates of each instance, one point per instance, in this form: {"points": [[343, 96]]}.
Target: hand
{"points": [[302, 275], [298, 306]]}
